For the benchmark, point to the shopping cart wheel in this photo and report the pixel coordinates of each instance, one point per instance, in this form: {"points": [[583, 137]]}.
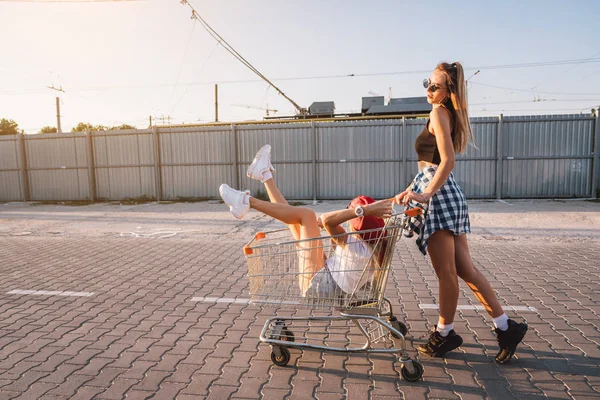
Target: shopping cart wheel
{"points": [[416, 375], [400, 326], [288, 336], [283, 360]]}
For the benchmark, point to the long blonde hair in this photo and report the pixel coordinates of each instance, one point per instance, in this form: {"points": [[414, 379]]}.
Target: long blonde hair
{"points": [[457, 104]]}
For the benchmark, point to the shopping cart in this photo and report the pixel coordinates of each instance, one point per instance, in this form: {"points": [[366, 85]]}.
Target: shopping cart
{"points": [[274, 274]]}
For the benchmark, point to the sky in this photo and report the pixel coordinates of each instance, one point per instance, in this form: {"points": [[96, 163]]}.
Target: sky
{"points": [[122, 62]]}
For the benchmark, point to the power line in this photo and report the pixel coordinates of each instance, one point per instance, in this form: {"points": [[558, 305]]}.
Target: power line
{"points": [[541, 63], [187, 47], [562, 73], [534, 109], [237, 55], [578, 64], [593, 73], [199, 70], [487, 67], [533, 91], [157, 85], [532, 101]]}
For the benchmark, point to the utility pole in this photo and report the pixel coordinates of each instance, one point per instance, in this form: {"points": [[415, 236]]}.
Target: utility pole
{"points": [[216, 103], [60, 89], [58, 129]]}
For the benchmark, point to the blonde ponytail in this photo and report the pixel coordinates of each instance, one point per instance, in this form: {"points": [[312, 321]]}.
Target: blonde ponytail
{"points": [[455, 80]]}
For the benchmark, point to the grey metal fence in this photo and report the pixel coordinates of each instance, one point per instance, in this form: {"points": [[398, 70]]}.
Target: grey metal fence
{"points": [[515, 157], [11, 168]]}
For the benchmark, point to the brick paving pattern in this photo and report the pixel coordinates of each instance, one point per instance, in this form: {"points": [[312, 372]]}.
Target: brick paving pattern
{"points": [[140, 335]]}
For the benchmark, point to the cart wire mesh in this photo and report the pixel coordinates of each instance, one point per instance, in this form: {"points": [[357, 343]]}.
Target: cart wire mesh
{"points": [[274, 269]]}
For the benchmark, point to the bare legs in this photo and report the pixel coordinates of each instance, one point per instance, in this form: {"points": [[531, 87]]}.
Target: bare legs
{"points": [[441, 251], [451, 259], [302, 222], [478, 283], [276, 197]]}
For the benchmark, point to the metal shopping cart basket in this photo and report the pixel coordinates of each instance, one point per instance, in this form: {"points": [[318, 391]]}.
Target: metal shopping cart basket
{"points": [[274, 274]]}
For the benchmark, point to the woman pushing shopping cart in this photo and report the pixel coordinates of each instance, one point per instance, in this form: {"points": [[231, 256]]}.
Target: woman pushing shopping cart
{"points": [[346, 271]]}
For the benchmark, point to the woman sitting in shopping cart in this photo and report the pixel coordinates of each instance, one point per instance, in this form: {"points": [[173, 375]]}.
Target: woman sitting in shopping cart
{"points": [[319, 277]]}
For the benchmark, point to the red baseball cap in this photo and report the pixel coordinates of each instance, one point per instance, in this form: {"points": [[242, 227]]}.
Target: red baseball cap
{"points": [[366, 222]]}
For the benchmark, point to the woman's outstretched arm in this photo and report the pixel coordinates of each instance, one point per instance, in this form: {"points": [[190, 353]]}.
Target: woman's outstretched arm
{"points": [[333, 220]]}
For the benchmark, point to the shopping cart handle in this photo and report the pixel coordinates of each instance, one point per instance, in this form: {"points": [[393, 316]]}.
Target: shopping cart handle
{"points": [[413, 212]]}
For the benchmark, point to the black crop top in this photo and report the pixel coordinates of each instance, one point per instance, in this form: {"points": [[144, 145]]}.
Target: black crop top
{"points": [[426, 146]]}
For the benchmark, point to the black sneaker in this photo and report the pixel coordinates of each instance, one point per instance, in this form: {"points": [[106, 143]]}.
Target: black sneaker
{"points": [[437, 345], [509, 339]]}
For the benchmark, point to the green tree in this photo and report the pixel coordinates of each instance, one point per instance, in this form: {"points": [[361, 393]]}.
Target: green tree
{"points": [[48, 129], [9, 127], [123, 127], [83, 126]]}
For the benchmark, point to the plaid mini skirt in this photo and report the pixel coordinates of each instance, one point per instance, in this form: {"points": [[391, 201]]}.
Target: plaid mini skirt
{"points": [[446, 210]]}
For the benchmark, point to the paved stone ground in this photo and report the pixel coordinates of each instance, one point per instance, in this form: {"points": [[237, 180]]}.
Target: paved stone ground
{"points": [[140, 335]]}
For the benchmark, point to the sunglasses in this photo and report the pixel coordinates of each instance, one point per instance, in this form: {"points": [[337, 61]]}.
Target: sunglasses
{"points": [[432, 87]]}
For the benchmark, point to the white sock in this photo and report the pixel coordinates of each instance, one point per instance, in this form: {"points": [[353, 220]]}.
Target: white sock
{"points": [[246, 199], [444, 330], [266, 176], [501, 322]]}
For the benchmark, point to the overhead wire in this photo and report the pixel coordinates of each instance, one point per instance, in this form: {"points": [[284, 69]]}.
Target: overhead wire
{"points": [[534, 109], [224, 82], [237, 55], [532, 101], [187, 47], [533, 91], [199, 70], [562, 73], [233, 52], [593, 73], [579, 63]]}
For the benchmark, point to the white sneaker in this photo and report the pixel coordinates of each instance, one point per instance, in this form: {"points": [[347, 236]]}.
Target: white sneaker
{"points": [[238, 201], [261, 167]]}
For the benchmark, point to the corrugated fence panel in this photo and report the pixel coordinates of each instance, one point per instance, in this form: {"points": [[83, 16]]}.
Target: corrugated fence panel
{"points": [[545, 178], [413, 127], [124, 164], [195, 161], [292, 149], [57, 166], [541, 156], [10, 180], [359, 157], [560, 136], [547, 156], [475, 170], [476, 178]]}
